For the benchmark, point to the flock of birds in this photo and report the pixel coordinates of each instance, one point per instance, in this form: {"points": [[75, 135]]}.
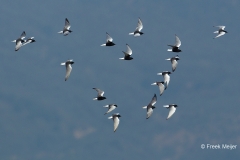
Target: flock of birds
{"points": [[21, 41]]}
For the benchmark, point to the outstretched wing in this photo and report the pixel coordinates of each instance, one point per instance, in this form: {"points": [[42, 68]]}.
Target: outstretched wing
{"points": [[220, 27], [116, 122], [154, 100], [220, 34], [140, 25], [100, 92], [109, 38], [128, 52], [68, 70], [149, 112], [178, 42], [67, 24], [174, 64], [172, 109]]}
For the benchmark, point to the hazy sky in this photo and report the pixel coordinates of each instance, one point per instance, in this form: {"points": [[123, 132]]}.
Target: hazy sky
{"points": [[42, 117]]}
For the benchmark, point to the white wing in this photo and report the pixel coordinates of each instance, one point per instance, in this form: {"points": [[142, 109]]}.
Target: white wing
{"points": [[109, 38], [221, 27], [111, 109], [129, 51], [67, 24], [161, 88], [18, 45], [154, 100], [220, 34], [149, 112], [178, 42], [166, 79], [174, 64], [140, 25], [100, 92], [115, 123], [172, 109], [68, 71], [28, 41], [23, 35]]}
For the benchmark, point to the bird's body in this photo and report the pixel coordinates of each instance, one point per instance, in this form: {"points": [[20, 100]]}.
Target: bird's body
{"points": [[116, 120], [100, 95], [175, 48], [166, 77], [151, 106], [29, 40], [110, 107], [20, 41], [108, 41], [220, 31], [127, 54], [66, 30], [174, 62], [68, 65], [137, 31], [172, 109], [161, 86]]}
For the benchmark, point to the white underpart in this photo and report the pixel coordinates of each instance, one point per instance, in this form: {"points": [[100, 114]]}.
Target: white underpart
{"points": [[172, 110], [174, 65], [116, 122], [166, 79], [68, 71], [149, 112], [111, 109], [161, 88]]}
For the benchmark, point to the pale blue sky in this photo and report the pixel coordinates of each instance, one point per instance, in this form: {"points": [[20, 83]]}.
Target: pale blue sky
{"points": [[42, 117]]}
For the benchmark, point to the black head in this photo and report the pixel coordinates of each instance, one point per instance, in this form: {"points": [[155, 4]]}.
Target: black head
{"points": [[69, 31], [153, 107], [115, 105], [119, 115]]}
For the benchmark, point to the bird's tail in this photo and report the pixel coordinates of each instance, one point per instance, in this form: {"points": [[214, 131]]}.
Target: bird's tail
{"points": [[131, 33]]}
